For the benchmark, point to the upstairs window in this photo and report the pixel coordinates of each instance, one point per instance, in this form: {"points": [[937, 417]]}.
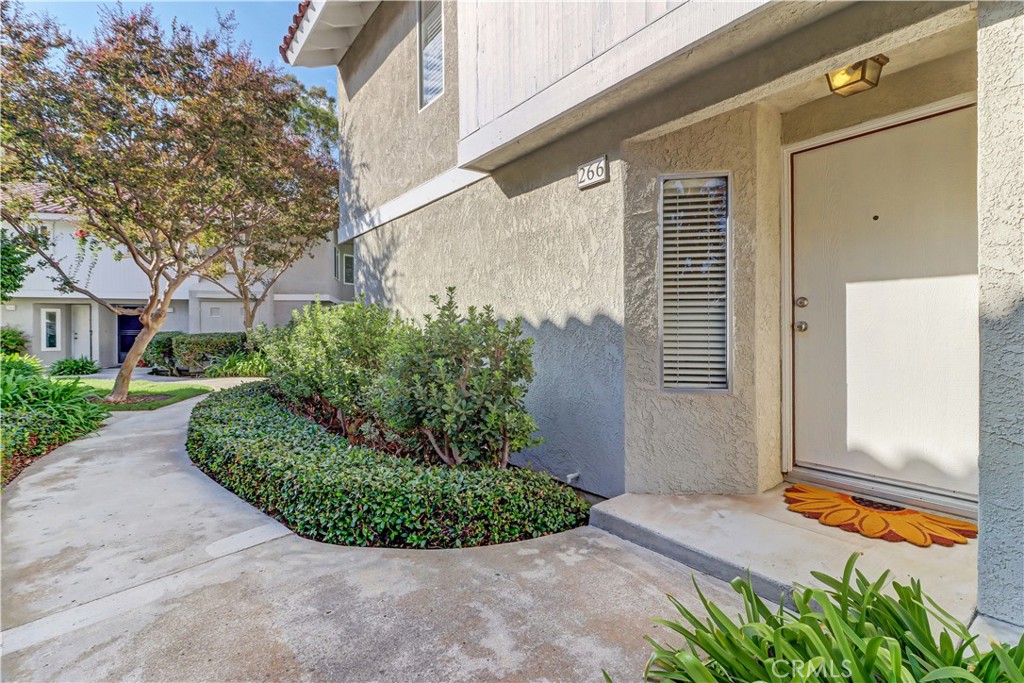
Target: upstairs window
{"points": [[431, 41], [695, 298]]}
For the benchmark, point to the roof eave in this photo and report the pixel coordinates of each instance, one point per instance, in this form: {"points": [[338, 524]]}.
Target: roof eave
{"points": [[323, 30]]}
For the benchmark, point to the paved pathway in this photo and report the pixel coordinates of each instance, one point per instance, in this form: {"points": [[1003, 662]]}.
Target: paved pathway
{"points": [[121, 561]]}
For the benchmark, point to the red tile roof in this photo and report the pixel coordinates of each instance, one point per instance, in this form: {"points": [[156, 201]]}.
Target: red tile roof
{"points": [[41, 203], [292, 28]]}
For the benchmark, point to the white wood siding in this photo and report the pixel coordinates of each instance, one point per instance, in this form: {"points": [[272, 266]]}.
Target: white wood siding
{"points": [[510, 51]]}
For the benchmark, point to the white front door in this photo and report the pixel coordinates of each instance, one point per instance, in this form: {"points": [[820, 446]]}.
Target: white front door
{"points": [[885, 374], [81, 330]]}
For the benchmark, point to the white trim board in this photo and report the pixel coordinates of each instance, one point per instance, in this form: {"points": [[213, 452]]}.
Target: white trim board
{"points": [[954, 504], [439, 186]]}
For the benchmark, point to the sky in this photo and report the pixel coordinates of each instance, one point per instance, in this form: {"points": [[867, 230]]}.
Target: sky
{"points": [[261, 23]]}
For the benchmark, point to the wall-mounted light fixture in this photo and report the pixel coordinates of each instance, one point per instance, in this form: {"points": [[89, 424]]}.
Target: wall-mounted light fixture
{"points": [[856, 77]]}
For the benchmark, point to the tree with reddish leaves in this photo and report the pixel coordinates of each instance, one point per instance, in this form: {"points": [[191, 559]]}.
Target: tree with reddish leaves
{"points": [[177, 150]]}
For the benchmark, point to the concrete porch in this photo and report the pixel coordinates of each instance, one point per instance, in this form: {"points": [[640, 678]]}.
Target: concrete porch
{"points": [[725, 536]]}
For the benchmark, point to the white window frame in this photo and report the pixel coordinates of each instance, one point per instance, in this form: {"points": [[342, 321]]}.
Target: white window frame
{"points": [[42, 329], [338, 272], [344, 259], [419, 57], [729, 227]]}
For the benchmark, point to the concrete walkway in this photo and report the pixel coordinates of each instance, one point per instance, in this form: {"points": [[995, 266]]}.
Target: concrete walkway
{"points": [[121, 560]]}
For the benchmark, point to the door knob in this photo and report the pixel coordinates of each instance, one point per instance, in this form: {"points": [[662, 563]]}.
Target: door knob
{"points": [[800, 326], [801, 302]]}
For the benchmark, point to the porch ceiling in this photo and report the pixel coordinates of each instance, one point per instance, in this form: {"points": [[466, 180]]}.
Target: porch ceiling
{"points": [[948, 42]]}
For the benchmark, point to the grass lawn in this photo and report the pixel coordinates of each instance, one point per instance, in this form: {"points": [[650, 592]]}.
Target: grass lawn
{"points": [[160, 393]]}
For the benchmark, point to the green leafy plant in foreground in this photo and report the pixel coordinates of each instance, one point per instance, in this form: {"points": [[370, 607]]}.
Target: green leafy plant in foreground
{"points": [[74, 366], [854, 629], [21, 365], [328, 358], [460, 381], [12, 340], [39, 414], [326, 489]]}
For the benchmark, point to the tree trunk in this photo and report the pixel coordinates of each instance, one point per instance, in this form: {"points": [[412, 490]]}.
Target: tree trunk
{"points": [[119, 394]]}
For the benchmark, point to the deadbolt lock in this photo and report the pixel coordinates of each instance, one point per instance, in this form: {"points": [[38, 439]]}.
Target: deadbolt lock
{"points": [[801, 302], [800, 326]]}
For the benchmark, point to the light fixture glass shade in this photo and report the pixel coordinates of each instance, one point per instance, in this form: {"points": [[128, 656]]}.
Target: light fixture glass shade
{"points": [[856, 77]]}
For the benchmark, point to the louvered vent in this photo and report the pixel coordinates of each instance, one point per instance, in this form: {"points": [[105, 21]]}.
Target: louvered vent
{"points": [[695, 283], [431, 52]]}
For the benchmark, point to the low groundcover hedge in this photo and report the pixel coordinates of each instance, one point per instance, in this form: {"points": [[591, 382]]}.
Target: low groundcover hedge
{"points": [[325, 489]]}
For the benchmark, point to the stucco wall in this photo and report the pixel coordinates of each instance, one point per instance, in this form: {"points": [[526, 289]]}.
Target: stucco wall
{"points": [[27, 317], [313, 274], [1001, 298], [531, 244], [390, 146], [707, 443]]}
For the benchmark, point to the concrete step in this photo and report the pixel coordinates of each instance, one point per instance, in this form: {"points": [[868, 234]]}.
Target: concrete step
{"points": [[729, 536]]}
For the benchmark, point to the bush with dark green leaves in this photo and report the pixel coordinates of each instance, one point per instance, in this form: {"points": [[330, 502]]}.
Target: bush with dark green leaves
{"points": [[21, 365], [196, 352], [329, 357], [74, 366], [460, 380], [39, 415], [12, 340], [854, 628], [160, 352], [326, 489]]}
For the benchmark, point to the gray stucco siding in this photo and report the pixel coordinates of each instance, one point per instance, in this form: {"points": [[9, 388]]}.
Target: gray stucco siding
{"points": [[531, 244], [1001, 299], [391, 145], [699, 442]]}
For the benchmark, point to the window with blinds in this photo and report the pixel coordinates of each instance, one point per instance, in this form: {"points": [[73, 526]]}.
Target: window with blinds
{"points": [[431, 51], [695, 283]]}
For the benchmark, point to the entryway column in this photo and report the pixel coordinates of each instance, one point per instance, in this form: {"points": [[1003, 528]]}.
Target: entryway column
{"points": [[1001, 298]]}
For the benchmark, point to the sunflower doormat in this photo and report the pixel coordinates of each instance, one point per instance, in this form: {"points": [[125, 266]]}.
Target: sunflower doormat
{"points": [[877, 520]]}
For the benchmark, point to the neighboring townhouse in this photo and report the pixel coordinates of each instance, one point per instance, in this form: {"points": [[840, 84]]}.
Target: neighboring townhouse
{"points": [[71, 325], [734, 276]]}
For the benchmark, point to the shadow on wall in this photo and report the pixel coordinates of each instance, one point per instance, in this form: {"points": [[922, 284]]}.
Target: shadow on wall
{"points": [[578, 400], [578, 393], [397, 23], [376, 275], [351, 204]]}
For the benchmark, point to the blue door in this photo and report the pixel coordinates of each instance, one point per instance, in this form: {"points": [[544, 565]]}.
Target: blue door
{"points": [[128, 328]]}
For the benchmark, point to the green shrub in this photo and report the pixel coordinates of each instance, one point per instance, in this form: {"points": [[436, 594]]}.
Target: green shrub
{"points": [[39, 415], [74, 366], [852, 630], [240, 364], [20, 364], [12, 340], [461, 381], [328, 490], [196, 352], [330, 357], [160, 352]]}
